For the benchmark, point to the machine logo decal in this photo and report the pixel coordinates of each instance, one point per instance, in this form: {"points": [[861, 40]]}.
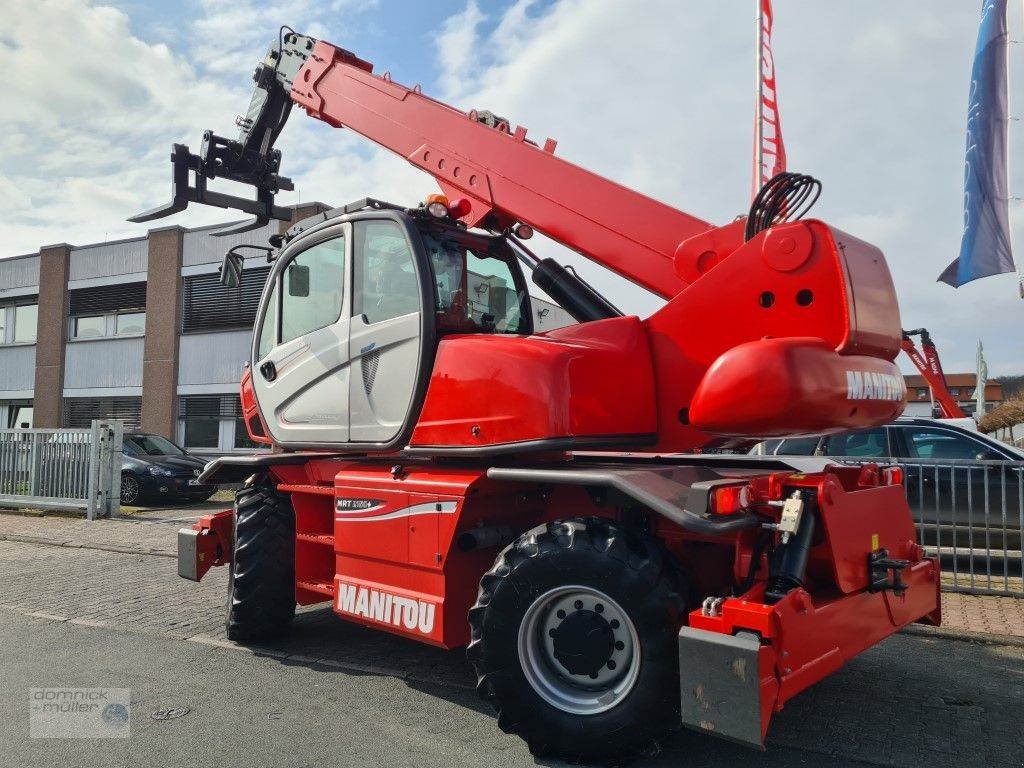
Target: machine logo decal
{"points": [[371, 514], [386, 608], [867, 385], [347, 505]]}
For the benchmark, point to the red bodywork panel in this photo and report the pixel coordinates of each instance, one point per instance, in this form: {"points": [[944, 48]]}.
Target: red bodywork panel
{"points": [[807, 306], [804, 348], [495, 390]]}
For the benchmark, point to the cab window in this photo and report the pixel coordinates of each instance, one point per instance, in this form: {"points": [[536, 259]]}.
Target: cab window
{"points": [[385, 283], [312, 289], [475, 289]]}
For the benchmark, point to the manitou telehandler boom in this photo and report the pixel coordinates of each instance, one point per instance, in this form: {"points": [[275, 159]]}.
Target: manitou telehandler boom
{"points": [[429, 462]]}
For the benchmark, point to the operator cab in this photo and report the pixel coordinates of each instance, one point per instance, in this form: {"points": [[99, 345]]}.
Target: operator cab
{"points": [[351, 315]]}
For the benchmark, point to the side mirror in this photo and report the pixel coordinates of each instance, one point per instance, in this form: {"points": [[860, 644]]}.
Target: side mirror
{"points": [[298, 280], [231, 269]]}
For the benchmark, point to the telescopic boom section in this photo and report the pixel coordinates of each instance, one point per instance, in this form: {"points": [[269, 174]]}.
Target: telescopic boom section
{"points": [[504, 177]]}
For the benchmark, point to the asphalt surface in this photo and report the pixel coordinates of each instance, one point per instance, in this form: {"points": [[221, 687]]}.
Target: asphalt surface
{"points": [[73, 614], [252, 710]]}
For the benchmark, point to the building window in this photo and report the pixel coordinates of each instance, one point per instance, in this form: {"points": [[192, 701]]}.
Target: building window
{"points": [[26, 317], [212, 422], [89, 327], [922, 393], [242, 436], [955, 392], [130, 323], [18, 323], [107, 310], [19, 414], [202, 432], [209, 306], [81, 411]]}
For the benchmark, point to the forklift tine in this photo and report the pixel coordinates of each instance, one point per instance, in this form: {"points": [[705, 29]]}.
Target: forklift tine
{"points": [[246, 226], [175, 206]]}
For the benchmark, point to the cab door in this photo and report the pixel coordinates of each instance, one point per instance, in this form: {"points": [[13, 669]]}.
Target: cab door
{"points": [[386, 334], [301, 350]]}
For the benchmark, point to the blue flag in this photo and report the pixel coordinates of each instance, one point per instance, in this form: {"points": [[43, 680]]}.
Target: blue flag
{"points": [[985, 247]]}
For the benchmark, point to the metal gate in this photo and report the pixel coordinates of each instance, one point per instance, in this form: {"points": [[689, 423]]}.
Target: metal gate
{"points": [[63, 469]]}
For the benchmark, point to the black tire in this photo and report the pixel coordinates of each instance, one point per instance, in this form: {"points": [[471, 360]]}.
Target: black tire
{"points": [[626, 566], [261, 581]]}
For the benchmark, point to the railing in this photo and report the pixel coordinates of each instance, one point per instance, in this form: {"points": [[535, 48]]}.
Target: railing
{"points": [[970, 514], [63, 469]]}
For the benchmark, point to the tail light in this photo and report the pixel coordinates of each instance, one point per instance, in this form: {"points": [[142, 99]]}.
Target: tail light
{"points": [[893, 475], [730, 499]]}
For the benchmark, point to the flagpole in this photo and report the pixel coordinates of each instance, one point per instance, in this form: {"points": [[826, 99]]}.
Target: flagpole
{"points": [[759, 107]]}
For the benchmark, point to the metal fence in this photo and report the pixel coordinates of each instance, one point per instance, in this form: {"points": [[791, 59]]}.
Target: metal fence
{"points": [[970, 514], [64, 469]]}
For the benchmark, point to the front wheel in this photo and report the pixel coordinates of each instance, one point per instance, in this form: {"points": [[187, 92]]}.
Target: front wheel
{"points": [[574, 640], [131, 490], [261, 582]]}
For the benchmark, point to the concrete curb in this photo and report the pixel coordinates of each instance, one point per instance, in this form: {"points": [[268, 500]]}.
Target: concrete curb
{"points": [[963, 635]]}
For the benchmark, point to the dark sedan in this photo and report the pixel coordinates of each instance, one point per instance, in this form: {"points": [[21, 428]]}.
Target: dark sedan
{"points": [[157, 470]]}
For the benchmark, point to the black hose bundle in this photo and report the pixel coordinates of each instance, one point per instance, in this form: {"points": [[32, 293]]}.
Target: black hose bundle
{"points": [[785, 197]]}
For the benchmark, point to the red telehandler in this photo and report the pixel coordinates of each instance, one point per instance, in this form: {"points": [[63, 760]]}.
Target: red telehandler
{"points": [[442, 472]]}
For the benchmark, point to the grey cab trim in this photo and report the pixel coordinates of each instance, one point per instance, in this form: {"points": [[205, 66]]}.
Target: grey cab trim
{"points": [[323, 230]]}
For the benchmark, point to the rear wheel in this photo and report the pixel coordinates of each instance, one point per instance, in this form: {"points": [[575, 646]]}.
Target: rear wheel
{"points": [[574, 640], [261, 583]]}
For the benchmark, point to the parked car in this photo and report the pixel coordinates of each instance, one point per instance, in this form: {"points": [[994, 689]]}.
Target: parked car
{"points": [[155, 469], [949, 484]]}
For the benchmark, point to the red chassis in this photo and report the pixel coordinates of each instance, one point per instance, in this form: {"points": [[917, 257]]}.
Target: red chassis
{"points": [[402, 548]]}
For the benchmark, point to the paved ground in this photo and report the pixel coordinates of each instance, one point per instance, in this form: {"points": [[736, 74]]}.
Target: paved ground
{"points": [[338, 694], [153, 531]]}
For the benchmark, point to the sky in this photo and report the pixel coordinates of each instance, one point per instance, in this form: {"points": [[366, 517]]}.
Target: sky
{"points": [[655, 94]]}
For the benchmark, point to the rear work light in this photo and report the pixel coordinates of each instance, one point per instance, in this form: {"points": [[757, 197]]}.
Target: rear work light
{"points": [[730, 499]]}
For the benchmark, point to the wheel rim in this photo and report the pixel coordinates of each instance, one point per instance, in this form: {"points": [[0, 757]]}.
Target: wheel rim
{"points": [[579, 650], [129, 489]]}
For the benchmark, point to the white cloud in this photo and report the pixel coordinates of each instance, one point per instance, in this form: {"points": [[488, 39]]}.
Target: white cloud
{"points": [[458, 47]]}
